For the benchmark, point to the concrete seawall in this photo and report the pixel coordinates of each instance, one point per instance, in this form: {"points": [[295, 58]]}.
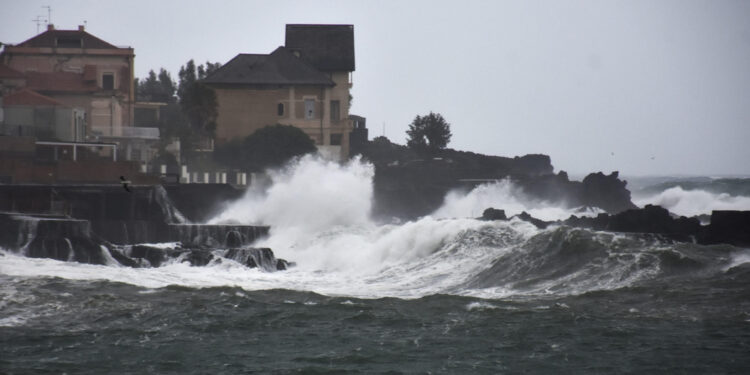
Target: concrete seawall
{"points": [[142, 215]]}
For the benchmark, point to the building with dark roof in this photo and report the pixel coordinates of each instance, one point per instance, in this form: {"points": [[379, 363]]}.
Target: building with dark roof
{"points": [[305, 83]]}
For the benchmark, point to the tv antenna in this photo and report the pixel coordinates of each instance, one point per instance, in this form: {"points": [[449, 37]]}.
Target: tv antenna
{"points": [[49, 13], [38, 20]]}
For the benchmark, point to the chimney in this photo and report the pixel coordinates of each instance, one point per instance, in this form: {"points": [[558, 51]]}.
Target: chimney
{"points": [[50, 27], [80, 28]]}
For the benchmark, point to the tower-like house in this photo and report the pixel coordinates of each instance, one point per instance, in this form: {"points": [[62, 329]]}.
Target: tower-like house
{"points": [[305, 83]]}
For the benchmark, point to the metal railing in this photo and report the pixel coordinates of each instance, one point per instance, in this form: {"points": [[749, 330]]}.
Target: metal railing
{"points": [[126, 132]]}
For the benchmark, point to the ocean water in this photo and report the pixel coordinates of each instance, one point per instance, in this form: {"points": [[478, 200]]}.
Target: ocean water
{"points": [[443, 294]]}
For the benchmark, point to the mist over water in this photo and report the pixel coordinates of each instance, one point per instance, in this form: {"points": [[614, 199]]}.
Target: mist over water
{"points": [[692, 202], [506, 196]]}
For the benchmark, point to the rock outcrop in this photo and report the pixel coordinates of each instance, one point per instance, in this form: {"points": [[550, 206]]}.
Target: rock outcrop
{"points": [[155, 256], [408, 185], [725, 227], [731, 227], [650, 219]]}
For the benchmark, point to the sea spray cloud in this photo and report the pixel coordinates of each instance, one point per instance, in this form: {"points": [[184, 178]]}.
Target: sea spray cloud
{"points": [[694, 202], [319, 213], [308, 192], [503, 195]]}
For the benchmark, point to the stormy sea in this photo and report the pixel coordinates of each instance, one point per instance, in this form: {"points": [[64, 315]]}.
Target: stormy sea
{"points": [[446, 293]]}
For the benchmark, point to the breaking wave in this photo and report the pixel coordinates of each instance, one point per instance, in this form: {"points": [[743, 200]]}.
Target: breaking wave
{"points": [[694, 202], [504, 195], [319, 214]]}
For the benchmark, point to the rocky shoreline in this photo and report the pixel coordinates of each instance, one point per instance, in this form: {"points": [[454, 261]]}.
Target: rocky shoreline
{"points": [[725, 227], [102, 224], [408, 185]]}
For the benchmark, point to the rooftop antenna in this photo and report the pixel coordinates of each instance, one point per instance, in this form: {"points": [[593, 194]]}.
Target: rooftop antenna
{"points": [[383, 128], [49, 13], [39, 20]]}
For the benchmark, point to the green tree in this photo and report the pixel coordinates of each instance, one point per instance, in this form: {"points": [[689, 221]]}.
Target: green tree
{"points": [[155, 88], [268, 147], [198, 101], [428, 133]]}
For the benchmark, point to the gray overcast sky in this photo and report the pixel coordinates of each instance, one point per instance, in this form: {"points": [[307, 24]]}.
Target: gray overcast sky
{"points": [[597, 85]]}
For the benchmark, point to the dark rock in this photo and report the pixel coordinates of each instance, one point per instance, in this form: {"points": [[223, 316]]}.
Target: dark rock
{"points": [[216, 235], [154, 255], [541, 224], [281, 264], [254, 257], [653, 219], [124, 259], [732, 227], [408, 185], [493, 214], [607, 192], [650, 219], [200, 257]]}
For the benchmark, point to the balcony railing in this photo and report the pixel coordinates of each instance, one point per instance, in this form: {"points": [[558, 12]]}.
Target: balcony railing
{"points": [[126, 132]]}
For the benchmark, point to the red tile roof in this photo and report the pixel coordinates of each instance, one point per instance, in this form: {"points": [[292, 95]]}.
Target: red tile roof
{"points": [[8, 72], [28, 97], [67, 82], [57, 38]]}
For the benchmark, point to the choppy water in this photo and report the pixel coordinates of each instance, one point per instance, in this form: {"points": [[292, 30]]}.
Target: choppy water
{"points": [[444, 294]]}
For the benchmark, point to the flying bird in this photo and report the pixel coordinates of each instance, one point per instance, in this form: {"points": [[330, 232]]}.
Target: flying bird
{"points": [[125, 183]]}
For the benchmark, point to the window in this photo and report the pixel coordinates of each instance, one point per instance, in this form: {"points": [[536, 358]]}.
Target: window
{"points": [[309, 109], [335, 139], [280, 109], [108, 81], [335, 115]]}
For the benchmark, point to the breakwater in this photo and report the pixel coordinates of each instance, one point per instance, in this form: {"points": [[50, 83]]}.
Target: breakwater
{"points": [[105, 224]]}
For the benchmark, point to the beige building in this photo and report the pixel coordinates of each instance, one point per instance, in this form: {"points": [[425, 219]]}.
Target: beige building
{"points": [[306, 84], [80, 71]]}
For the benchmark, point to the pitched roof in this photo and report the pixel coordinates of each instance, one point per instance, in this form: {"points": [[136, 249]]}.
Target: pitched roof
{"points": [[8, 72], [327, 47], [60, 82], [53, 38], [280, 67], [28, 97]]}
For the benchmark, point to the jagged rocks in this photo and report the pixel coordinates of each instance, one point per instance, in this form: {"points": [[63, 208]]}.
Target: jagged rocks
{"points": [[541, 224], [153, 256], [493, 214], [607, 192], [726, 227], [650, 219]]}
